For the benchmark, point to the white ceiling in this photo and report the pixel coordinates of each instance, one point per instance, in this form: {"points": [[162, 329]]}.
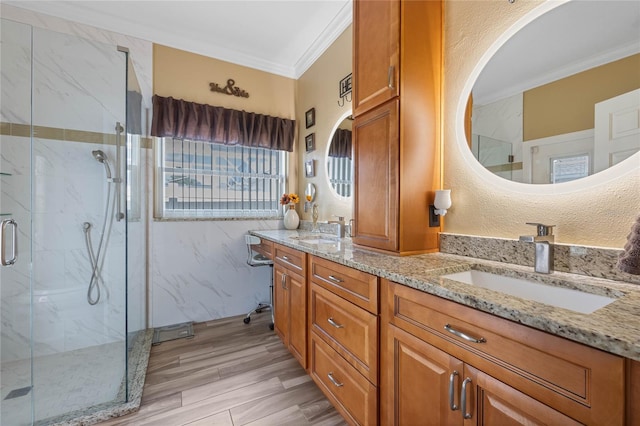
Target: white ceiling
{"points": [[570, 38], [281, 37]]}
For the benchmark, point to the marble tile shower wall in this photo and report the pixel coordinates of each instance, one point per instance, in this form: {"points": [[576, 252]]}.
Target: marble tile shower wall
{"points": [[69, 188]]}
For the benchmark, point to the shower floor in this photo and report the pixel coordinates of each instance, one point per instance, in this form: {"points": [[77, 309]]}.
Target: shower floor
{"points": [[63, 382]]}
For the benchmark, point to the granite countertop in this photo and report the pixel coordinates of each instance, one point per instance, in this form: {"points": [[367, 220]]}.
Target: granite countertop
{"points": [[614, 328]]}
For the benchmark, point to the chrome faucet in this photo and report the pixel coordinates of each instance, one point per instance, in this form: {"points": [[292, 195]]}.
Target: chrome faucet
{"points": [[341, 226], [543, 262]]}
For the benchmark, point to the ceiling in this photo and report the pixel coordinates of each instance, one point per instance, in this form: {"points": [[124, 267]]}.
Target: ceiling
{"points": [[280, 37], [570, 38]]}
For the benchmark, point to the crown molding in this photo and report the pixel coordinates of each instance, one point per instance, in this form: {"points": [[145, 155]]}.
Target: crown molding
{"points": [[340, 23]]}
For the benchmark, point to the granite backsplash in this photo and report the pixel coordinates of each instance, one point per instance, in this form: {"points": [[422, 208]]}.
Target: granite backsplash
{"points": [[584, 260]]}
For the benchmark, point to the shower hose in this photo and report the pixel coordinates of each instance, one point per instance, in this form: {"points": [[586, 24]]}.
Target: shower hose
{"points": [[96, 258]]}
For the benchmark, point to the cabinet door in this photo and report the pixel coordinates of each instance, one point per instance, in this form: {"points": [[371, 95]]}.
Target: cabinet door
{"points": [[281, 303], [416, 382], [376, 154], [491, 402], [376, 47], [297, 289]]}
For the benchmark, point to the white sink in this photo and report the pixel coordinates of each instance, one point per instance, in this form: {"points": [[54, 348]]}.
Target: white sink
{"points": [[575, 300], [318, 241]]}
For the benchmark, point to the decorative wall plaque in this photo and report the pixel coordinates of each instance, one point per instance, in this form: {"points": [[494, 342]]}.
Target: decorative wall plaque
{"points": [[229, 89]]}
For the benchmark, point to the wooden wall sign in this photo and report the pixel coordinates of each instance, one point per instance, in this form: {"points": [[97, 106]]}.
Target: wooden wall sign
{"points": [[229, 89]]}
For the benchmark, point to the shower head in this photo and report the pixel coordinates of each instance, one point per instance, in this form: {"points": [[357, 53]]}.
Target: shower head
{"points": [[102, 158], [99, 155]]}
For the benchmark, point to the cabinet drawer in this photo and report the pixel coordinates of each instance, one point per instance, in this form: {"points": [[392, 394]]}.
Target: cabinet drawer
{"points": [[353, 395], [290, 258], [356, 286], [265, 248], [583, 382], [347, 328]]}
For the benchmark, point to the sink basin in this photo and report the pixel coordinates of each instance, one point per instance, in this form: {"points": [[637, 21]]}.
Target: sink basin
{"points": [[574, 300], [318, 241]]}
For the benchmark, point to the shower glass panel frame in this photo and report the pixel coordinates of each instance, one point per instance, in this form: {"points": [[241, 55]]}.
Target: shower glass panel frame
{"points": [[62, 98], [494, 154]]}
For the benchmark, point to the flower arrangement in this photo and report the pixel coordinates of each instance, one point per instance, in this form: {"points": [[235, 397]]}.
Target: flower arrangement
{"points": [[289, 199]]}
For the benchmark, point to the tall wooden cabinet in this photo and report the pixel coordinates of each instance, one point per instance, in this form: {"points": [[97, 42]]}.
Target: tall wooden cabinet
{"points": [[397, 94], [290, 300]]}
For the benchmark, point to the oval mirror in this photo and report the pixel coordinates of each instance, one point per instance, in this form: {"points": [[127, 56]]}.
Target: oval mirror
{"points": [[560, 99], [340, 158]]}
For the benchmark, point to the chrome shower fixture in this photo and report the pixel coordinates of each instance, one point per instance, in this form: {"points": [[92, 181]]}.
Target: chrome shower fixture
{"points": [[101, 157]]}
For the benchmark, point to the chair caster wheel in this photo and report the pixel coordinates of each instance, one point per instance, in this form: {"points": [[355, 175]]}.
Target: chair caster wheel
{"points": [[271, 326], [247, 320]]}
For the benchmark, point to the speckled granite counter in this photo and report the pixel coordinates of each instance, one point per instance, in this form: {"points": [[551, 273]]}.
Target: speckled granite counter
{"points": [[614, 328]]}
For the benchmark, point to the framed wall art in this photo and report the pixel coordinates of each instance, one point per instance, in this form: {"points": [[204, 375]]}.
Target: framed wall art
{"points": [[310, 168], [310, 142], [310, 117]]}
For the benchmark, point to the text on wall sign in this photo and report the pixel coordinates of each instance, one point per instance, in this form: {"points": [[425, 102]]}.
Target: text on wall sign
{"points": [[229, 89]]}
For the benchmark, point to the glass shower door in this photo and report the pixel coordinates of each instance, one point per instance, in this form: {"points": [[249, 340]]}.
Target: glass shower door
{"points": [[79, 226], [15, 215]]}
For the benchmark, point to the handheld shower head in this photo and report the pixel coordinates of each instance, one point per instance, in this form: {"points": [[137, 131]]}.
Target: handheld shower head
{"points": [[101, 157]]}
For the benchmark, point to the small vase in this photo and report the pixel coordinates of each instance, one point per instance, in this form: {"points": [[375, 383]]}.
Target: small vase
{"points": [[291, 218]]}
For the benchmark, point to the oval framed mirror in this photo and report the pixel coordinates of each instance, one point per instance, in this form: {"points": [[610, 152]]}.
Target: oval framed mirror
{"points": [[559, 99], [340, 157]]}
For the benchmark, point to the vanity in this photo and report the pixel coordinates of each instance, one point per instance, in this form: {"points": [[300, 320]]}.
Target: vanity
{"points": [[391, 340]]}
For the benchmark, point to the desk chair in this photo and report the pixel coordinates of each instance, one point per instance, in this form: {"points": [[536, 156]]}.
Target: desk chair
{"points": [[256, 259]]}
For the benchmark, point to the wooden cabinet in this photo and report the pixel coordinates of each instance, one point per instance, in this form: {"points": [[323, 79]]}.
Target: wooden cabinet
{"points": [[397, 123], [513, 374], [343, 337], [376, 53], [290, 300]]}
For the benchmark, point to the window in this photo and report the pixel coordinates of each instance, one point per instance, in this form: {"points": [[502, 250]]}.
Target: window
{"points": [[340, 171], [202, 179]]}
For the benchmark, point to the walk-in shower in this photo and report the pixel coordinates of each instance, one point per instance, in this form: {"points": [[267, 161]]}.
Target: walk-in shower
{"points": [[66, 151]]}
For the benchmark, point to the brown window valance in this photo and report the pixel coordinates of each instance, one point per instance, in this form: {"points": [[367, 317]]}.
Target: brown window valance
{"points": [[188, 120], [340, 144]]}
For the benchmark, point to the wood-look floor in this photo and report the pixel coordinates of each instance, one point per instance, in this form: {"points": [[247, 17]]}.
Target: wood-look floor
{"points": [[229, 374]]}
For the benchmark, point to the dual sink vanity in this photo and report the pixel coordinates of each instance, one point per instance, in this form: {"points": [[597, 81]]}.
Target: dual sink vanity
{"points": [[447, 339]]}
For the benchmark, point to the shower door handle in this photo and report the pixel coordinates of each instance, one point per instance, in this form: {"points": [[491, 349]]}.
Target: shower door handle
{"points": [[14, 242], [118, 180]]}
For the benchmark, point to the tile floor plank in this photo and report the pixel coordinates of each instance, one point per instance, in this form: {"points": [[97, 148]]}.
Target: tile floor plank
{"points": [[229, 374]]}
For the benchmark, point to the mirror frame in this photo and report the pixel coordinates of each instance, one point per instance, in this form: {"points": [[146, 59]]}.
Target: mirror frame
{"points": [[342, 117], [620, 169]]}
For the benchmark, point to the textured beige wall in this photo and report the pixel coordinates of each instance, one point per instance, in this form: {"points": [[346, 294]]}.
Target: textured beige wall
{"points": [[186, 75], [597, 211], [318, 88]]}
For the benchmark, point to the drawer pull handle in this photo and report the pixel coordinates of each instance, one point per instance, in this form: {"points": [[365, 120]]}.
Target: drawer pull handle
{"points": [[465, 382], [333, 323], [452, 380], [285, 258], [334, 381], [464, 336], [335, 279]]}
